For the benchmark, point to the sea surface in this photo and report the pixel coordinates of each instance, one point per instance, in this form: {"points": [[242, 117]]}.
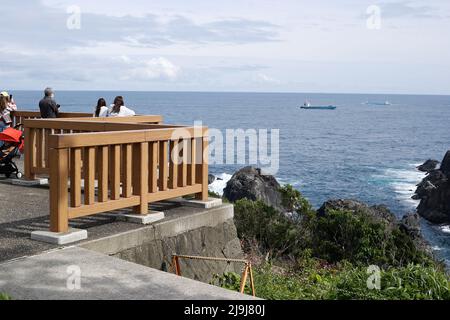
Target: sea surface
{"points": [[359, 151]]}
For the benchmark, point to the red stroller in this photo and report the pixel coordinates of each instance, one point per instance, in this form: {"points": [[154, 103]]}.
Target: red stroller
{"points": [[13, 144]]}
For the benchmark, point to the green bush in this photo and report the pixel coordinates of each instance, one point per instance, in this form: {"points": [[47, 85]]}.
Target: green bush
{"points": [[273, 231], [342, 235], [343, 282]]}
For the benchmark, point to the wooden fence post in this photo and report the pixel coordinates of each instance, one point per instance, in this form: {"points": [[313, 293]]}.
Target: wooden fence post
{"points": [[29, 153], [59, 215], [140, 176], [202, 170]]}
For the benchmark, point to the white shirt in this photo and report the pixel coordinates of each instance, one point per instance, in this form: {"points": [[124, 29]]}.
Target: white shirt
{"points": [[103, 112], [124, 112]]}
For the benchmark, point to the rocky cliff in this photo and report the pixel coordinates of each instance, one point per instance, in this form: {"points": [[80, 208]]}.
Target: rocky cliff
{"points": [[434, 193]]}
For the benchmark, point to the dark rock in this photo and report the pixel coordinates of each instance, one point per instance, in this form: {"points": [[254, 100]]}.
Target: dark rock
{"points": [[410, 224], [445, 164], [434, 194], [428, 165], [211, 178], [378, 213], [249, 183]]}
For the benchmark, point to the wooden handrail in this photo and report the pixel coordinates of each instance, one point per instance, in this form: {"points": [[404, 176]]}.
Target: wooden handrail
{"points": [[131, 168], [120, 163]]}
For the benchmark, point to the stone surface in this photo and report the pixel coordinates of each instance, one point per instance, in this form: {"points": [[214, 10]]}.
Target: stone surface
{"points": [[54, 276], [434, 193], [209, 233], [30, 183], [73, 235], [428, 165], [151, 217], [249, 183], [211, 203]]}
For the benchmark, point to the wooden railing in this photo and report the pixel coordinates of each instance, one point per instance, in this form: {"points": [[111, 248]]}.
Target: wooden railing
{"points": [[130, 168], [37, 132], [19, 116]]}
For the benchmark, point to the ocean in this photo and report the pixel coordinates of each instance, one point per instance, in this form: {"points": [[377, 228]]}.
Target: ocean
{"points": [[358, 151]]}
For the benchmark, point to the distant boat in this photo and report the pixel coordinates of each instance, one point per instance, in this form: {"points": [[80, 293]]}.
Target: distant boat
{"points": [[308, 106], [375, 103]]}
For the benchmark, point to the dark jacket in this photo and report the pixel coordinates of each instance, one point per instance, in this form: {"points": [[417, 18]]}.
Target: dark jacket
{"points": [[48, 107]]}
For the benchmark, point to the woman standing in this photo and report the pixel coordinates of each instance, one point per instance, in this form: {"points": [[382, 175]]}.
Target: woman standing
{"points": [[101, 110], [118, 109]]}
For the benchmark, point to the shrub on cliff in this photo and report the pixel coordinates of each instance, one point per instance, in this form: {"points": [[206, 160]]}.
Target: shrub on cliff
{"points": [[342, 235], [273, 231], [338, 235]]}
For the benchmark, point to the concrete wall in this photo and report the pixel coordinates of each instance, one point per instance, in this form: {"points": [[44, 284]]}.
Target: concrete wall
{"points": [[205, 232]]}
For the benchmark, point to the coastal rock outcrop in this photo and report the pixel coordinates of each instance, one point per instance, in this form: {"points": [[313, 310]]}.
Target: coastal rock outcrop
{"points": [[379, 213], [409, 223], [428, 165], [434, 194], [250, 183]]}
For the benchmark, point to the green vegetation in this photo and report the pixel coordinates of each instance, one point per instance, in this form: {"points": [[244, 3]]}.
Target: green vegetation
{"points": [[4, 296], [343, 283], [307, 256]]}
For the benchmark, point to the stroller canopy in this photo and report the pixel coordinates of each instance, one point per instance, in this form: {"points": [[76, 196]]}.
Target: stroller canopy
{"points": [[11, 135]]}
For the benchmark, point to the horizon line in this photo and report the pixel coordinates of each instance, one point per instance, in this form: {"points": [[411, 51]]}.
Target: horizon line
{"points": [[244, 91]]}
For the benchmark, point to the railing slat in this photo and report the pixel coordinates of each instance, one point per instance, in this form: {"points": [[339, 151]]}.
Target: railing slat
{"points": [[127, 170], [103, 174], [182, 168], [163, 166], [173, 167], [75, 177], [192, 162], [89, 175], [115, 172], [153, 167]]}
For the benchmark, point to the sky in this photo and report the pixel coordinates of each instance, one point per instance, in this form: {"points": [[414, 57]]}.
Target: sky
{"points": [[345, 46]]}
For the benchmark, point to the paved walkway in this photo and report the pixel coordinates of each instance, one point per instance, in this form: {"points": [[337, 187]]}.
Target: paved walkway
{"points": [[54, 275]]}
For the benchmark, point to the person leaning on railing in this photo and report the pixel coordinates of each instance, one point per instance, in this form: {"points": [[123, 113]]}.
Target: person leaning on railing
{"points": [[48, 106], [118, 109]]}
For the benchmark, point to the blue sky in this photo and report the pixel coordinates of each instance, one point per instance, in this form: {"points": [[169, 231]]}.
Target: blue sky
{"points": [[208, 45]]}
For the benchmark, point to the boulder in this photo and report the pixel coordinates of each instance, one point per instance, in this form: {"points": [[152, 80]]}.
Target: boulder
{"points": [[428, 165], [250, 183], [211, 178], [434, 194]]}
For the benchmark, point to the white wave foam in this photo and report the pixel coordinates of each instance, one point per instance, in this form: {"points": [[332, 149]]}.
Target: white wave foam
{"points": [[445, 229], [403, 182], [220, 183]]}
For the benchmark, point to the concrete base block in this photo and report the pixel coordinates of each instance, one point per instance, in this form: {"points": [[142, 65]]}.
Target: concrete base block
{"points": [[210, 203], [73, 235], [29, 183], [153, 216]]}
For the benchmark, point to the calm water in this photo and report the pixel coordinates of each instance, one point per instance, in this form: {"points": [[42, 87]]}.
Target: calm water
{"points": [[357, 151]]}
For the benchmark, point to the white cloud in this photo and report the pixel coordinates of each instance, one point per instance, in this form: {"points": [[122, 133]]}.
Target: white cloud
{"points": [[261, 77], [151, 69]]}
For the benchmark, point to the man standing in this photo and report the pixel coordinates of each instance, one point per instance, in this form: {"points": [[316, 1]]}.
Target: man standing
{"points": [[48, 106]]}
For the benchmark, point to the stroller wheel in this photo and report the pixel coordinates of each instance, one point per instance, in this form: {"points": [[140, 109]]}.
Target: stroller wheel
{"points": [[19, 175]]}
